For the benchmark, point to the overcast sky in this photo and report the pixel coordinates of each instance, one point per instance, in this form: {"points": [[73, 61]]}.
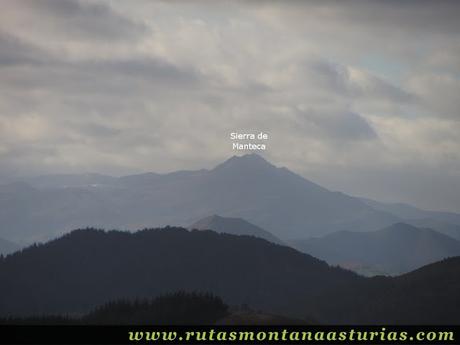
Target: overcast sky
{"points": [[359, 96]]}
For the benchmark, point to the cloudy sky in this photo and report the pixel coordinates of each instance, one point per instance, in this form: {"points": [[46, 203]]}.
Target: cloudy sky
{"points": [[361, 97]]}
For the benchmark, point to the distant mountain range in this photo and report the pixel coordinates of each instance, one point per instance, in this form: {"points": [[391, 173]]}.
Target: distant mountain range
{"points": [[274, 199], [447, 223], [248, 187], [88, 267], [266, 206], [394, 250], [234, 226]]}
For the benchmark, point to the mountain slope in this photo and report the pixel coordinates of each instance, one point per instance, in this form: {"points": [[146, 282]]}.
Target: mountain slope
{"points": [[397, 249], [234, 226], [248, 187]]}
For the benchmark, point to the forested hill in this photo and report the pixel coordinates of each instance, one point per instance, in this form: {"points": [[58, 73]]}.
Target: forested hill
{"points": [[178, 308], [90, 267]]}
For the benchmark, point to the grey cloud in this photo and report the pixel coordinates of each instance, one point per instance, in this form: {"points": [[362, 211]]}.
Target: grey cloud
{"points": [[344, 126], [438, 92], [334, 77], [116, 87], [145, 68], [330, 76], [98, 130], [19, 158], [14, 52], [105, 77], [414, 184], [419, 16], [403, 15], [75, 19]]}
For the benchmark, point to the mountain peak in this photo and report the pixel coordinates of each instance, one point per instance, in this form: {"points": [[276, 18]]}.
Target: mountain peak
{"points": [[247, 161], [214, 217], [235, 226]]}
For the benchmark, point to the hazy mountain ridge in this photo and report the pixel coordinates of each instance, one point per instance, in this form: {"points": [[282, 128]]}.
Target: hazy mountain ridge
{"points": [[70, 180], [445, 228], [233, 226], [89, 267], [248, 187], [397, 249], [447, 223]]}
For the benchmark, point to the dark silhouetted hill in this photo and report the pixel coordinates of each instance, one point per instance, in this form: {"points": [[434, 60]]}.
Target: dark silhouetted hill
{"points": [[86, 268], [179, 308], [397, 249], [428, 295], [90, 267], [234, 226], [172, 309]]}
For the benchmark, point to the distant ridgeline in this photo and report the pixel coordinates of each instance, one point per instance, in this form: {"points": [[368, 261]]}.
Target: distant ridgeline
{"points": [[86, 268]]}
